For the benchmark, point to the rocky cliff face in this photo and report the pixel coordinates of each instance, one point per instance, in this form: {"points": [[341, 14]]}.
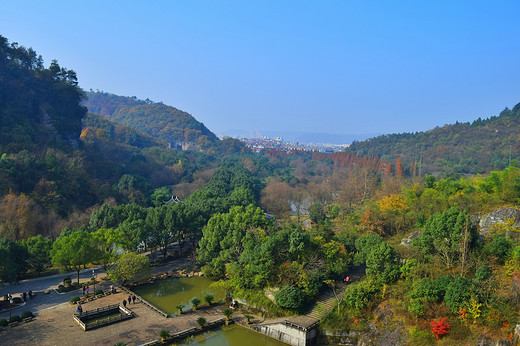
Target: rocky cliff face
{"points": [[499, 216]]}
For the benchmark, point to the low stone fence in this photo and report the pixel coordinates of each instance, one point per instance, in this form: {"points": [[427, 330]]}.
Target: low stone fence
{"points": [[83, 318], [179, 336], [192, 331]]}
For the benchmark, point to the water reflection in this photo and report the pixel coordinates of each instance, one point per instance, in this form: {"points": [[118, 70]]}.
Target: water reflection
{"points": [[168, 293], [233, 336]]}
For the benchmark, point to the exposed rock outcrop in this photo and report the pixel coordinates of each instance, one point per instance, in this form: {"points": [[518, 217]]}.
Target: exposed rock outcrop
{"points": [[498, 216], [408, 240]]}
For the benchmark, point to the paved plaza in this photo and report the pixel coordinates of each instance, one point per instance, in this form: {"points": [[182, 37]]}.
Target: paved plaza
{"points": [[55, 325]]}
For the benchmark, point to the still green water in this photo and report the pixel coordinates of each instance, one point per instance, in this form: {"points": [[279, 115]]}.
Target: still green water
{"points": [[233, 336], [168, 293], [104, 318]]}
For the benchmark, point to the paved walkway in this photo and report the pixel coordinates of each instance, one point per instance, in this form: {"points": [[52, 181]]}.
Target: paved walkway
{"points": [[40, 300]]}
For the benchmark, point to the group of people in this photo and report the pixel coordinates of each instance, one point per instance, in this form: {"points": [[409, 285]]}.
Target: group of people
{"points": [[131, 299], [79, 309], [27, 294], [86, 289]]}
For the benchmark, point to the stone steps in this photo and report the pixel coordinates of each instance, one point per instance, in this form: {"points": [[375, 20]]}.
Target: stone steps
{"points": [[325, 304], [327, 301]]}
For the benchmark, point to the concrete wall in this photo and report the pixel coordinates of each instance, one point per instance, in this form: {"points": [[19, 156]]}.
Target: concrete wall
{"points": [[288, 334]]}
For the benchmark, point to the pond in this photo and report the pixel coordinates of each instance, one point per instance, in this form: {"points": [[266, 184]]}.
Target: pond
{"points": [[103, 318], [168, 293], [233, 336]]}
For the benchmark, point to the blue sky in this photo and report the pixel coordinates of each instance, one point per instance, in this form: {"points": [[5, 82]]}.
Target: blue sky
{"points": [[340, 67]]}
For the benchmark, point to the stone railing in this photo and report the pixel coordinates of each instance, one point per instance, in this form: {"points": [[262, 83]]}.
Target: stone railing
{"points": [[83, 318], [145, 302]]}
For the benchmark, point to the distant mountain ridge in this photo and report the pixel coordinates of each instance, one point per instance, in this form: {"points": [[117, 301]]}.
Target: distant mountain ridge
{"points": [[158, 120], [477, 147]]}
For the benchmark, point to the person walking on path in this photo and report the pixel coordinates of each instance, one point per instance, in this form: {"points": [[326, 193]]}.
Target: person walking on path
{"points": [[124, 303], [133, 299], [83, 290], [129, 300]]}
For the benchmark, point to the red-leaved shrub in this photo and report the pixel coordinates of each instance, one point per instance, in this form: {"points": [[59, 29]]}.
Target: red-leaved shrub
{"points": [[439, 327]]}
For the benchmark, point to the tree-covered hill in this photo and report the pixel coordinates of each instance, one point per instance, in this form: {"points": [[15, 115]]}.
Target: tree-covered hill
{"points": [[476, 147], [57, 161], [160, 121], [39, 107], [95, 126]]}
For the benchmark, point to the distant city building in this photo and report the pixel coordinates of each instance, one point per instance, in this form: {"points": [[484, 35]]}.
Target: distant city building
{"points": [[261, 143]]}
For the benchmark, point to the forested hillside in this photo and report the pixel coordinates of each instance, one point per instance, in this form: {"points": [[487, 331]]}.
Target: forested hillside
{"points": [[163, 122], [476, 147], [39, 107], [57, 161]]}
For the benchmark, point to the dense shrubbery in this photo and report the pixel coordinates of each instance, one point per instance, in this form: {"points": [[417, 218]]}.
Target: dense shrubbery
{"points": [[290, 297], [14, 318], [361, 296], [26, 314], [427, 290], [458, 292], [382, 263], [500, 247]]}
